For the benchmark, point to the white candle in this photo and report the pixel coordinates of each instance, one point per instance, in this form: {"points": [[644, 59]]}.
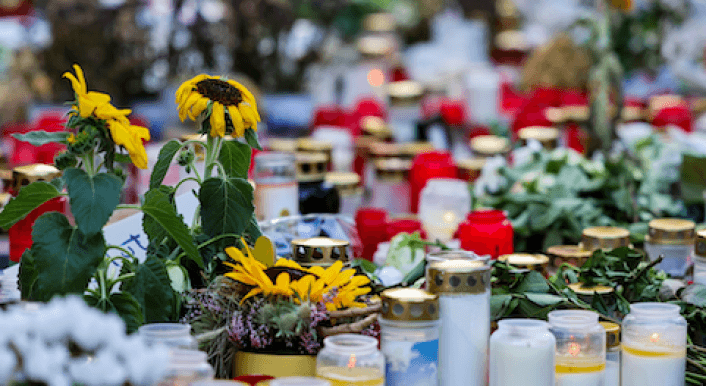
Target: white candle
{"points": [[575, 372], [612, 373], [522, 354], [643, 366]]}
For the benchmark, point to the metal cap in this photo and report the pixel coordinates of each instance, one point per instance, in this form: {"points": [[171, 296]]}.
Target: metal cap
{"points": [[605, 238], [632, 113], [490, 145], [671, 231], [547, 136], [284, 145], [412, 149], [311, 166], [576, 113], [458, 276], [612, 334], [385, 149], [25, 175], [405, 92], [525, 260], [315, 145], [580, 289], [375, 126], [555, 115], [569, 252], [321, 251], [345, 182], [392, 169], [409, 304], [375, 46], [380, 22]]}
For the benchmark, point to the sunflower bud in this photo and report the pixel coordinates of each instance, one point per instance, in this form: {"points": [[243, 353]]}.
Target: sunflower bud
{"points": [[186, 157], [65, 160]]}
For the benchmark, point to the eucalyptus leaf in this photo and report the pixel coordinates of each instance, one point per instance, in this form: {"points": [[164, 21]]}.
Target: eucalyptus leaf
{"points": [[41, 137]]}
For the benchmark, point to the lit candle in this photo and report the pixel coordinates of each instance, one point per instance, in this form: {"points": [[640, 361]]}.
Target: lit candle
{"points": [[351, 360], [443, 205], [653, 345], [580, 348]]}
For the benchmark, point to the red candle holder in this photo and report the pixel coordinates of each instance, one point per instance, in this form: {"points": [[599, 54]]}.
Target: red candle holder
{"points": [[21, 233], [372, 229], [435, 164], [253, 380], [487, 232], [398, 226]]}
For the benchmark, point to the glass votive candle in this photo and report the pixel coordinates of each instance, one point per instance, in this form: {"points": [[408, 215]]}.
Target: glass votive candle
{"points": [[487, 146], [700, 258], [587, 293], [548, 137], [469, 169], [580, 347], [604, 237], [390, 187], [349, 191], [276, 191], [444, 203], [653, 345], [405, 225], [612, 353], [351, 360], [172, 335], [522, 353], [299, 381], [311, 145], [426, 166], [405, 109], [674, 239], [187, 367], [487, 232], [455, 254]]}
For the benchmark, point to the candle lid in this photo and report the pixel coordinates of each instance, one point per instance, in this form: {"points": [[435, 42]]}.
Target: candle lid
{"points": [[321, 251], [284, 145], [569, 252], [580, 289], [25, 175], [376, 127], [555, 115], [632, 113], [412, 149], [311, 166], [659, 102], [490, 145], [345, 182], [547, 136], [385, 149], [700, 247], [405, 91], [612, 334], [375, 46], [458, 276], [380, 22], [471, 164], [672, 231], [511, 40], [311, 144], [392, 169], [409, 304], [604, 238], [576, 113], [201, 137], [524, 260]]}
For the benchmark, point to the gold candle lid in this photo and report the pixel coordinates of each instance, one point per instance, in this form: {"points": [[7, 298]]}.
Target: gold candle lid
{"points": [[490, 145], [405, 92], [412, 149], [346, 183], [525, 260], [375, 46], [319, 251], [632, 113], [380, 22], [409, 304], [605, 238], [659, 102], [458, 276], [547, 136], [555, 115], [612, 334], [580, 289], [511, 40], [283, 145], [4, 199], [376, 127], [385, 150], [392, 169], [700, 247], [672, 231], [311, 166], [27, 174], [471, 164], [314, 145], [569, 252], [201, 137], [576, 113]]}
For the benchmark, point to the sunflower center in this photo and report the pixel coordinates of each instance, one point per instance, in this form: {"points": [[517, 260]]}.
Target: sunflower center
{"points": [[219, 91]]}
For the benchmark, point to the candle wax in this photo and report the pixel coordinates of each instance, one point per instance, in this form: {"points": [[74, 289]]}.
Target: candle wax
{"points": [[580, 372], [643, 367], [527, 364], [356, 376]]}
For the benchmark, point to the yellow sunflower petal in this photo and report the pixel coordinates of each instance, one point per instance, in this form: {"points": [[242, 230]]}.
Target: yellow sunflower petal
{"points": [[75, 84], [198, 108], [303, 286], [288, 264], [218, 122], [235, 254], [131, 138], [317, 270], [247, 95], [252, 292], [237, 119], [249, 118], [188, 103], [282, 284], [241, 278], [88, 103], [331, 272], [81, 79]]}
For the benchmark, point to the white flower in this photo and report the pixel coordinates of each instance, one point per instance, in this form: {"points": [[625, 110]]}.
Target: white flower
{"points": [[490, 179], [389, 276], [380, 255], [103, 369], [8, 361]]}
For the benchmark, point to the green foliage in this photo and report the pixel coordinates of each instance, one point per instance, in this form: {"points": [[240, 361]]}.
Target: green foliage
{"points": [[29, 198], [251, 139], [166, 155], [152, 289], [64, 259], [235, 158], [121, 303], [41, 137], [227, 204], [93, 198]]}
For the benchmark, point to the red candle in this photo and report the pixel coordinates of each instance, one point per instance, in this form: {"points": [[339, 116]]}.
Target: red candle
{"points": [[372, 229], [408, 226], [435, 164], [21, 233], [487, 232]]}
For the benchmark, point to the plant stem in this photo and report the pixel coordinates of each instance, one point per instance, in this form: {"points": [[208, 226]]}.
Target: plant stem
{"points": [[123, 250], [129, 206], [188, 179], [219, 237]]}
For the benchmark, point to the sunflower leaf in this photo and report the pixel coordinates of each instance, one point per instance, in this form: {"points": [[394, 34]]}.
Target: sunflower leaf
{"points": [[41, 137], [226, 205], [152, 289], [251, 139], [235, 158], [29, 198], [166, 155], [93, 198]]}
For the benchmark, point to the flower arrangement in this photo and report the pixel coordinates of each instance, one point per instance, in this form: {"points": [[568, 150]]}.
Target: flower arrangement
{"points": [[66, 342]]}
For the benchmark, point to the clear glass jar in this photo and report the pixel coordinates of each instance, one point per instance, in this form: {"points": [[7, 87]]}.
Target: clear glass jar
{"points": [[390, 187], [443, 204], [349, 191], [351, 360], [455, 254], [522, 353], [277, 191], [187, 367], [612, 353], [172, 335], [580, 348], [299, 381], [405, 109], [409, 337], [674, 239], [653, 345]]}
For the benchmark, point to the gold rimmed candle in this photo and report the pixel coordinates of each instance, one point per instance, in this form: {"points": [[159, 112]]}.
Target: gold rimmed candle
{"points": [[547, 136], [25, 175], [469, 169], [349, 190], [673, 239], [612, 353], [321, 251], [351, 360], [604, 237], [485, 146], [569, 254], [390, 187], [527, 261], [700, 257], [405, 109], [310, 145]]}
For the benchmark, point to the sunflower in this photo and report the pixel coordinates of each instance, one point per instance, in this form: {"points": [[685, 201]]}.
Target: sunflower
{"points": [[226, 98], [88, 101]]}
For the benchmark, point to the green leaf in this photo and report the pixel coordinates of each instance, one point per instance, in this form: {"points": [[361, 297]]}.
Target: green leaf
{"points": [[499, 306], [30, 197], [544, 300], [253, 229], [41, 137], [533, 282], [226, 205], [152, 289], [121, 303], [251, 139], [365, 265], [235, 158], [166, 155], [552, 238], [64, 257], [159, 207], [695, 294], [28, 274], [93, 198], [154, 230]]}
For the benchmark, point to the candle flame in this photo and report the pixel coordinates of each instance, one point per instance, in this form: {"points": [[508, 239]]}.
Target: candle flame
{"points": [[376, 77], [449, 216], [351, 361], [574, 349], [654, 338]]}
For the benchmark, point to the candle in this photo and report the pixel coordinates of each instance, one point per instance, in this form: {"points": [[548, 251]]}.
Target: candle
{"points": [[443, 205], [277, 192], [351, 360], [654, 345], [339, 376], [582, 372], [522, 354], [463, 287], [580, 348], [612, 355], [674, 240]]}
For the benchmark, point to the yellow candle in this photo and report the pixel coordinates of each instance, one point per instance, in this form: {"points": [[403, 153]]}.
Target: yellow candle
{"points": [[356, 376]]}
